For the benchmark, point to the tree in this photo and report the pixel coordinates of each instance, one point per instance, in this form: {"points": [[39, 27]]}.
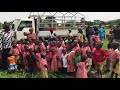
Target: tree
{"points": [[1, 25], [48, 21], [69, 23]]}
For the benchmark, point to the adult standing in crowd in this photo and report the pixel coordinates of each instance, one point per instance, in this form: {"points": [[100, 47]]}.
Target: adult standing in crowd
{"points": [[52, 35], [6, 38], [116, 32], [87, 33], [101, 33]]}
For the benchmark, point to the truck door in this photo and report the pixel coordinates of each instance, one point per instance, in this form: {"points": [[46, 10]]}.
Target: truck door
{"points": [[24, 26]]}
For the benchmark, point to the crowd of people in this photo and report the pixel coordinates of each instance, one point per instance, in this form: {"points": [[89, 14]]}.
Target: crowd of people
{"points": [[73, 56]]}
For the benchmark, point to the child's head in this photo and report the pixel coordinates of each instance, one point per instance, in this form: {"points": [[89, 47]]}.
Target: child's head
{"points": [[53, 50], [47, 50], [80, 43], [22, 41], [26, 47], [14, 44], [43, 56], [59, 37], [115, 45], [69, 31], [88, 52], [10, 54], [36, 42], [85, 43], [83, 58], [30, 50], [30, 40], [64, 51], [94, 44], [77, 52], [38, 49], [58, 44], [99, 45], [96, 33], [75, 42], [27, 42], [109, 45], [69, 48]]}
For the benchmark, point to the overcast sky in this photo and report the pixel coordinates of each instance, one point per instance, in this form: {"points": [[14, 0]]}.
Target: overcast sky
{"points": [[89, 16]]}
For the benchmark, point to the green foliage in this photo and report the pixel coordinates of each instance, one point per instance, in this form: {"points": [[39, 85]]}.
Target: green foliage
{"points": [[69, 23], [48, 20]]}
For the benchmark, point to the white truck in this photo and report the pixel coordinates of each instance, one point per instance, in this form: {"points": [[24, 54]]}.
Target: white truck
{"points": [[22, 25]]}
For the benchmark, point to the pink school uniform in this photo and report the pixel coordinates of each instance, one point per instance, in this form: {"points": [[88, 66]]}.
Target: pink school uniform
{"points": [[93, 49], [77, 47], [63, 44], [84, 49], [15, 51], [81, 71], [42, 63], [117, 68], [33, 35], [97, 38], [111, 55], [36, 47], [22, 48], [70, 60], [91, 39], [24, 61], [38, 56], [48, 57], [32, 46], [60, 58], [19, 46], [54, 63]]}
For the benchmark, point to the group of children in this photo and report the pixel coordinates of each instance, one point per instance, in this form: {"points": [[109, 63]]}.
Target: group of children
{"points": [[72, 57]]}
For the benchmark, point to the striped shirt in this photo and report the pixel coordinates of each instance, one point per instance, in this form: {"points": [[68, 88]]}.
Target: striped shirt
{"points": [[6, 39]]}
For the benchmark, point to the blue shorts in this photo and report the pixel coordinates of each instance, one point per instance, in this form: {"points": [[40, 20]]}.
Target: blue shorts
{"points": [[12, 67]]}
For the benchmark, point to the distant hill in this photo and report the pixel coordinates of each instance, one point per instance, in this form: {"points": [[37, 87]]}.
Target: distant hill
{"points": [[113, 22]]}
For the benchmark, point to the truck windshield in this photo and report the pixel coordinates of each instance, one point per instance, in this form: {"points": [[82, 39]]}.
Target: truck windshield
{"points": [[24, 24]]}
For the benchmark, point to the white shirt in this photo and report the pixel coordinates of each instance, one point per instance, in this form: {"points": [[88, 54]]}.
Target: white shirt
{"points": [[64, 60]]}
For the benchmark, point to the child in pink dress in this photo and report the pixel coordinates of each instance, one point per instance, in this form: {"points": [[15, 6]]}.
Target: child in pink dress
{"points": [[38, 56], [44, 66], [76, 46], [25, 53], [16, 52], [19, 45], [92, 39], [116, 64], [111, 58], [70, 60], [84, 48], [61, 41], [82, 71], [22, 45], [48, 58], [32, 44], [54, 61], [97, 37], [60, 48], [31, 62]]}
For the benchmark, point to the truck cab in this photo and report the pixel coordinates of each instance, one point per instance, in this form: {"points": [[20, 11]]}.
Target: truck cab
{"points": [[22, 25]]}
